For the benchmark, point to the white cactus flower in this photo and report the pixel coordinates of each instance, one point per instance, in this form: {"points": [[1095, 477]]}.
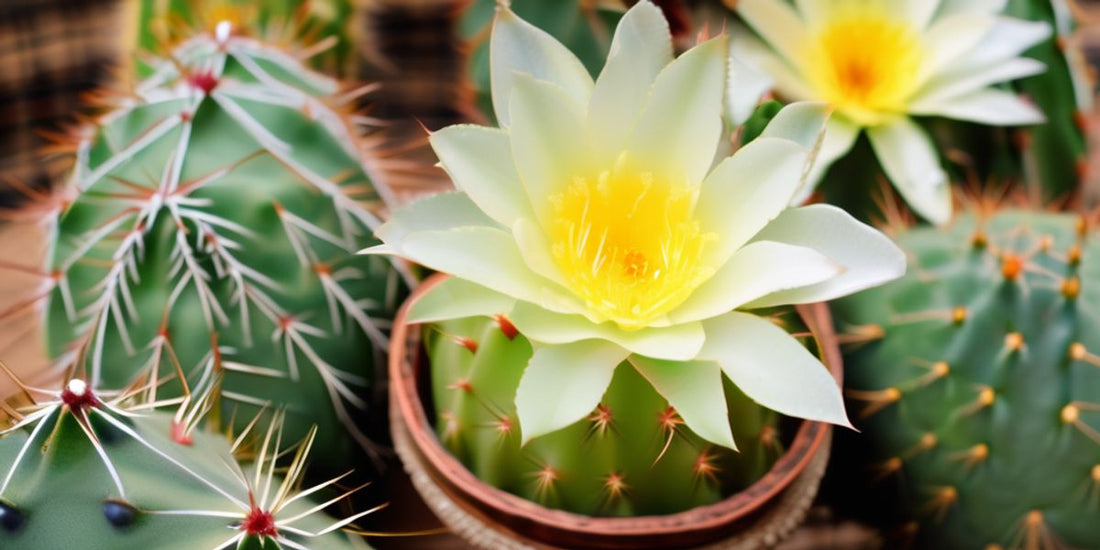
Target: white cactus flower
{"points": [[596, 221], [880, 62]]}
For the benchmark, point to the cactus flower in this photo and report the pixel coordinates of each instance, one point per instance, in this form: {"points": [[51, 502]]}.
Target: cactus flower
{"points": [[596, 220], [881, 62]]}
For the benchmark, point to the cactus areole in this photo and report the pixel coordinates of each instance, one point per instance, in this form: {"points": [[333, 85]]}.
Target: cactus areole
{"points": [[210, 243]]}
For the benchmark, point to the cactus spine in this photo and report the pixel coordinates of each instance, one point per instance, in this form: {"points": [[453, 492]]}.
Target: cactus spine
{"points": [[981, 398], [84, 468], [211, 238], [631, 456]]}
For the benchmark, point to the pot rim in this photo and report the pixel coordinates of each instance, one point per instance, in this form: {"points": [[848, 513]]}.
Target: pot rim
{"points": [[511, 509]]}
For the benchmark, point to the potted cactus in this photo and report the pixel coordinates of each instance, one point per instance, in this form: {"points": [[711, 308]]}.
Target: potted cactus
{"points": [[609, 319]]}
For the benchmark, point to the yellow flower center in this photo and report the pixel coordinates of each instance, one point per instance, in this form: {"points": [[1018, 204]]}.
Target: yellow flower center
{"points": [[628, 244], [866, 64]]}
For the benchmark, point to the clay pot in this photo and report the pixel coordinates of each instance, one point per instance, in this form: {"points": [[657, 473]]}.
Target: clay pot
{"points": [[488, 517]]}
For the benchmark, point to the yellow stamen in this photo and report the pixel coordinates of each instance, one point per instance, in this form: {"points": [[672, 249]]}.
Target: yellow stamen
{"points": [[628, 243], [866, 63]]}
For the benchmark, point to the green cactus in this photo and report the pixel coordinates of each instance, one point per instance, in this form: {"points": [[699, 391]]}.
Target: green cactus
{"points": [[631, 456], [211, 237], [85, 469], [978, 386]]}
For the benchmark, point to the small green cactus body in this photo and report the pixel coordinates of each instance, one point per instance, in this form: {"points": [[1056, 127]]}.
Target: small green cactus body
{"points": [[978, 391], [212, 238], [631, 456], [80, 470]]}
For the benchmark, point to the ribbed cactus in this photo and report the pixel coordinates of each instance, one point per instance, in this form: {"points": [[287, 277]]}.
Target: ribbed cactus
{"points": [[631, 456], [979, 392], [211, 239], [88, 469]]}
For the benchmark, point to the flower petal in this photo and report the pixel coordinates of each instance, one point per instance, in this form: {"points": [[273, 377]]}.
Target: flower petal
{"points": [[548, 140], [747, 86], [534, 245], [789, 80], [840, 135], [677, 342], [987, 106], [745, 191], [564, 383], [918, 12], [778, 24], [943, 87], [488, 256], [455, 298], [950, 38], [773, 369], [678, 132], [642, 46], [694, 389], [479, 161], [759, 269], [518, 47], [909, 159], [435, 213], [868, 257]]}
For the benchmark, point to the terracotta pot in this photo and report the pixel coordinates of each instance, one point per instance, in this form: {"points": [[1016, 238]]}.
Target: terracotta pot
{"points": [[488, 517]]}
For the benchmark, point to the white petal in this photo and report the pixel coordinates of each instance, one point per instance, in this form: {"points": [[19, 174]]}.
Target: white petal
{"points": [[747, 190], [804, 123], [435, 213], [789, 80], [678, 132], [455, 298], [778, 24], [642, 46], [951, 38], [868, 257], [677, 342], [840, 135], [945, 86], [987, 106], [563, 384], [1007, 39], [488, 256], [773, 368], [479, 161], [950, 7], [759, 269], [548, 140], [747, 86], [917, 12], [518, 47], [909, 159], [534, 245], [694, 389]]}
